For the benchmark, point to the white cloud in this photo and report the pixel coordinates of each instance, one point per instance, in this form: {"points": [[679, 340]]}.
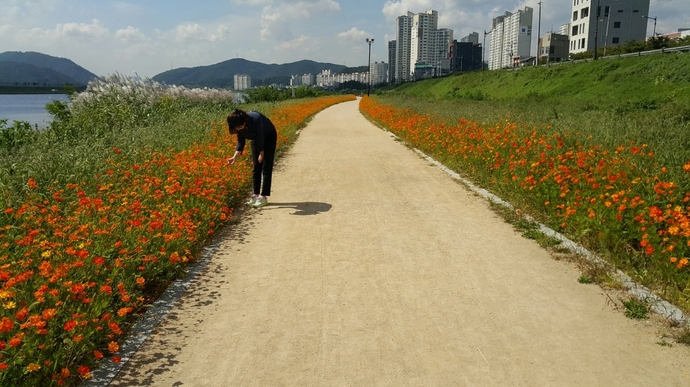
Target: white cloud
{"points": [[130, 35], [353, 34], [303, 44], [278, 17], [94, 30]]}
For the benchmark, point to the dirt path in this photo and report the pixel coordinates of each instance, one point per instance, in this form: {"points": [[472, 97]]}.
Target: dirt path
{"points": [[371, 267]]}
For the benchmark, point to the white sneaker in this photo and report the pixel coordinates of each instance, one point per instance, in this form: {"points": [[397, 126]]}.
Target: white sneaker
{"points": [[252, 199], [260, 202]]}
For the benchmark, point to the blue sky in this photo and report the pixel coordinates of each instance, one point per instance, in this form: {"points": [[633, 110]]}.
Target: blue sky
{"points": [[148, 37]]}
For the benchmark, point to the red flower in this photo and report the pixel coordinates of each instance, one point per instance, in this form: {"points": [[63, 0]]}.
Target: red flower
{"points": [[15, 341], [84, 371], [6, 325], [69, 325]]}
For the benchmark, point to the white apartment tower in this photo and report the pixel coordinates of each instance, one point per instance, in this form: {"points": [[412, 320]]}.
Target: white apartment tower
{"points": [[511, 38], [619, 21], [242, 82], [403, 34], [423, 26], [419, 41]]}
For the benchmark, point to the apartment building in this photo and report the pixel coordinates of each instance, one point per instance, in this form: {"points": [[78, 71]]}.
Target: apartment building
{"points": [[403, 36], [511, 36], [619, 22], [242, 82], [379, 73], [419, 44], [391, 61]]}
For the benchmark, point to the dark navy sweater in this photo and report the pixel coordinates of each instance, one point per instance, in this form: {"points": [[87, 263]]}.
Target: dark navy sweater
{"points": [[259, 129]]}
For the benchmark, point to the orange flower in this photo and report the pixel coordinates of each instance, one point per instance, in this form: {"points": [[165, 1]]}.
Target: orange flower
{"points": [[69, 325], [673, 259], [140, 281], [6, 325], [98, 354], [15, 341], [682, 263], [32, 183], [32, 367], [84, 371], [113, 347]]}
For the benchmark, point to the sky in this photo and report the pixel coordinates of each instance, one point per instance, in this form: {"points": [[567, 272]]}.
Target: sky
{"points": [[147, 37]]}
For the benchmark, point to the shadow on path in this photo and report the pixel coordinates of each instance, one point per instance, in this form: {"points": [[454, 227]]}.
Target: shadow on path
{"points": [[303, 208]]}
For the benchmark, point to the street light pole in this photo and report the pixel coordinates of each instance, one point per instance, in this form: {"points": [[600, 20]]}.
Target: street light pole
{"points": [[370, 41], [647, 17]]}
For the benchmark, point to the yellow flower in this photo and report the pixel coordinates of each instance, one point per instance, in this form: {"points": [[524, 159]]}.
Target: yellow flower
{"points": [[10, 305], [47, 254], [33, 367]]}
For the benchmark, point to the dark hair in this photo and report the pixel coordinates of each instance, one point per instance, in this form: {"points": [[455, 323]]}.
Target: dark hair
{"points": [[235, 119]]}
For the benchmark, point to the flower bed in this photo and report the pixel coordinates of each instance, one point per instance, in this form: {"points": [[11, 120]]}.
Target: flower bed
{"points": [[619, 202], [79, 260]]}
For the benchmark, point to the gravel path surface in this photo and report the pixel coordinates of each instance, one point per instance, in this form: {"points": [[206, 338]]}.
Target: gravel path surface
{"points": [[371, 267]]}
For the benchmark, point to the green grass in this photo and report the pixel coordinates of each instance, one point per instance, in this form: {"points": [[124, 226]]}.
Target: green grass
{"points": [[635, 309], [641, 99]]}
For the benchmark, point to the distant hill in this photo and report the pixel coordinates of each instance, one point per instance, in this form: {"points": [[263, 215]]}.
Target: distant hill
{"points": [[221, 75], [33, 68]]}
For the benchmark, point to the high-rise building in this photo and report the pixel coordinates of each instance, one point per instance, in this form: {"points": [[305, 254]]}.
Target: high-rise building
{"points": [[511, 38], [419, 43], [424, 26], [403, 35], [391, 61], [242, 82], [619, 22]]}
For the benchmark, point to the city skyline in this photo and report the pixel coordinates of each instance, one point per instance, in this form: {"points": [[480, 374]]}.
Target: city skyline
{"points": [[107, 36]]}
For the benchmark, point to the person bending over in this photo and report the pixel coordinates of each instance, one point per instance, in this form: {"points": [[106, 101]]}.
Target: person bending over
{"points": [[259, 129]]}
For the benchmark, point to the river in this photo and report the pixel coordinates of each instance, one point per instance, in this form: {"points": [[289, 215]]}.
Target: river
{"points": [[28, 107]]}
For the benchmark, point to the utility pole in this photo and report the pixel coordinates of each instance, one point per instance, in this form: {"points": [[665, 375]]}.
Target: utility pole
{"points": [[538, 37], [370, 41]]}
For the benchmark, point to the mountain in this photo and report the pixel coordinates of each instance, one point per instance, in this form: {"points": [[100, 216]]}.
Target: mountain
{"points": [[221, 75], [33, 68]]}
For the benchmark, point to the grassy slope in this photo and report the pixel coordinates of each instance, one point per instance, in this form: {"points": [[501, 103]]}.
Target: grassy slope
{"points": [[608, 83]]}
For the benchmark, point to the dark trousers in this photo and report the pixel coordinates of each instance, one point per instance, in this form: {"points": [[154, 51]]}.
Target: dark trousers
{"points": [[265, 168]]}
